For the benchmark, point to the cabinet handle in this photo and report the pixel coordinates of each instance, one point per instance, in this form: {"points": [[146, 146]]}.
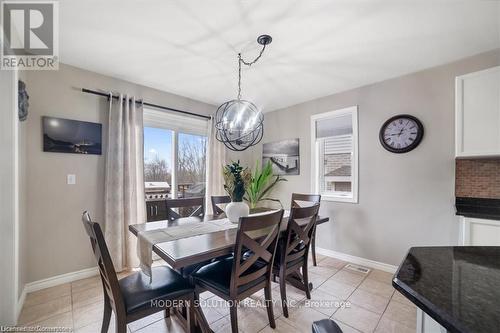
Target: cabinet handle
{"points": [[156, 210], [150, 210]]}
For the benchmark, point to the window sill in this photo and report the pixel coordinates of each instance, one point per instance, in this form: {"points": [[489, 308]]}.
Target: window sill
{"points": [[325, 197]]}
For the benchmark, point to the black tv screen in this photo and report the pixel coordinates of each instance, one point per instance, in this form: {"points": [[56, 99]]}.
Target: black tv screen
{"points": [[71, 136]]}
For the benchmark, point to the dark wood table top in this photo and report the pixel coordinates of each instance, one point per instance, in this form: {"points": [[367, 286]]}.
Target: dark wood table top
{"points": [[188, 251]]}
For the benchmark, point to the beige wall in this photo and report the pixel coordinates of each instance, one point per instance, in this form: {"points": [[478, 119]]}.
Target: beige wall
{"points": [[56, 241], [404, 199]]}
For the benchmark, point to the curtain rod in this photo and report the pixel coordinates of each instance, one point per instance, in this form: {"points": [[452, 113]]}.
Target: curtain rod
{"points": [[88, 91]]}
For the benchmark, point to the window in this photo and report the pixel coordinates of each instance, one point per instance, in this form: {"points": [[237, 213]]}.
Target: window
{"points": [[174, 154], [335, 155]]}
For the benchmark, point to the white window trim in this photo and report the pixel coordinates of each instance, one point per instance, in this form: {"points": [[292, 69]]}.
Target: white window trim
{"points": [[355, 158]]}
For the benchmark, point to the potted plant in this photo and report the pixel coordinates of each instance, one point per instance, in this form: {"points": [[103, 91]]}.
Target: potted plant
{"points": [[236, 180], [261, 184]]}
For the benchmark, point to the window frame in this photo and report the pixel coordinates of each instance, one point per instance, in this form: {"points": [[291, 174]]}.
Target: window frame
{"points": [[316, 154], [177, 124]]}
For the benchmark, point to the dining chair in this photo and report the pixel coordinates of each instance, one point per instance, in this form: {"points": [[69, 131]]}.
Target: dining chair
{"points": [[134, 297], [217, 200], [293, 250], [186, 207], [249, 269], [298, 200]]}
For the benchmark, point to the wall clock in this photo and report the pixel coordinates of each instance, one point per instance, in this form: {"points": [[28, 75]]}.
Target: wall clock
{"points": [[401, 133]]}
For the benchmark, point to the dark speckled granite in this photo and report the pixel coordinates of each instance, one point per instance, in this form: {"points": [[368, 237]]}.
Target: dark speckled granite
{"points": [[478, 208], [457, 286]]}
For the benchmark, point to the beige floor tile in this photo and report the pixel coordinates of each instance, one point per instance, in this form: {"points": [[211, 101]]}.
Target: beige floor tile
{"points": [[347, 277], [88, 296], [376, 287], [206, 295], [96, 328], [325, 271], [46, 310], [332, 262], [143, 322], [346, 328], [338, 289], [281, 327], [168, 325], [88, 314], [61, 320], [252, 320], [390, 326], [83, 284], [381, 276], [224, 326], [302, 318], [322, 302], [402, 313], [317, 280], [48, 294], [358, 317], [211, 314], [369, 301], [398, 297]]}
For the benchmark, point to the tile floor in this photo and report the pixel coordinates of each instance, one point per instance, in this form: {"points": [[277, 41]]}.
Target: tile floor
{"points": [[357, 302]]}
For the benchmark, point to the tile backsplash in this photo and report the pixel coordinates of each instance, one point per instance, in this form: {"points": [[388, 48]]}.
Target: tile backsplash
{"points": [[477, 178]]}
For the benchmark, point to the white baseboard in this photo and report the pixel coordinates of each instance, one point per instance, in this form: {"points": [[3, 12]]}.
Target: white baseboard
{"points": [[60, 279], [357, 260], [20, 303]]}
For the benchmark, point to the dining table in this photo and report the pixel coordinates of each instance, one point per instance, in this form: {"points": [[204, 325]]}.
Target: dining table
{"points": [[198, 249]]}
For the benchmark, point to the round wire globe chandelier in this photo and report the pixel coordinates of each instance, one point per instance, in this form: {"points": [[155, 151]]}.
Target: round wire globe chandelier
{"points": [[239, 124]]}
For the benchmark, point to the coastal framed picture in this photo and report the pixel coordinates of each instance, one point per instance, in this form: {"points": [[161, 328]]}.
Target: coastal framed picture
{"points": [[71, 136], [284, 156]]}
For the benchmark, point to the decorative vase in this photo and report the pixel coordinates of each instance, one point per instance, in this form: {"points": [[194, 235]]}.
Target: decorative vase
{"points": [[235, 210]]}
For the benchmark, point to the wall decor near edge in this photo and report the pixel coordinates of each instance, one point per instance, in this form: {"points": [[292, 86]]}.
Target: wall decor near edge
{"points": [[71, 136], [284, 156]]}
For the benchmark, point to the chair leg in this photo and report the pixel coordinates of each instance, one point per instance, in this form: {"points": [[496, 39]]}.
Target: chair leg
{"points": [[121, 325], [283, 293], [167, 312], [233, 312], [313, 247], [106, 317], [305, 277], [191, 320], [269, 305]]}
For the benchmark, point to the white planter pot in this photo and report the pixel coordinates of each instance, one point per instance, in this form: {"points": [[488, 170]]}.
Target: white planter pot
{"points": [[235, 210]]}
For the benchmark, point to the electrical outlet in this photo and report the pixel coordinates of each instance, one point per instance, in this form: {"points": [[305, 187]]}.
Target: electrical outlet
{"points": [[71, 179]]}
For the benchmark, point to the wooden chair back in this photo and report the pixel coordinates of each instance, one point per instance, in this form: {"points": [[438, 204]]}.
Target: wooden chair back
{"points": [[217, 200], [256, 239], [298, 198], [186, 207], [104, 263], [298, 235]]}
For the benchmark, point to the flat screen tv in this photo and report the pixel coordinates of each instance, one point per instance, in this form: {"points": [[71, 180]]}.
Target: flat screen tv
{"points": [[71, 136]]}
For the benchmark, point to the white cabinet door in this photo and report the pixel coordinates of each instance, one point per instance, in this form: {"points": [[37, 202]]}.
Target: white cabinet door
{"points": [[477, 232], [478, 114]]}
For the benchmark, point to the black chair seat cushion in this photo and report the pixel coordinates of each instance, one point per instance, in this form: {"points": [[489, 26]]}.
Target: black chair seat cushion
{"points": [[218, 275], [325, 326], [167, 284]]}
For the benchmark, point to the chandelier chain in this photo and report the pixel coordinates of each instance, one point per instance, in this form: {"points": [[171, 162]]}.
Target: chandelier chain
{"points": [[248, 63]]}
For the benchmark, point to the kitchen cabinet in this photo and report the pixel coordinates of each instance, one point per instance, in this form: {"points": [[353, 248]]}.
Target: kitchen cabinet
{"points": [[477, 108], [477, 232]]}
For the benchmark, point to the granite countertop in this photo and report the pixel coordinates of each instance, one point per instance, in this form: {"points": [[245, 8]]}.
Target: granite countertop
{"points": [[457, 286]]}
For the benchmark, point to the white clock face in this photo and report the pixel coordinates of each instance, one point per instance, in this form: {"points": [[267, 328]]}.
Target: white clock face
{"points": [[401, 133]]}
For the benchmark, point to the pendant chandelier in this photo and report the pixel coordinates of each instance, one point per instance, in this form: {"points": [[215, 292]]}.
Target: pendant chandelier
{"points": [[239, 124]]}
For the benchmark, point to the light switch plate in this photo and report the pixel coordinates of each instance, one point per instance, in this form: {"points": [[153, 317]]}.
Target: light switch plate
{"points": [[71, 179]]}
